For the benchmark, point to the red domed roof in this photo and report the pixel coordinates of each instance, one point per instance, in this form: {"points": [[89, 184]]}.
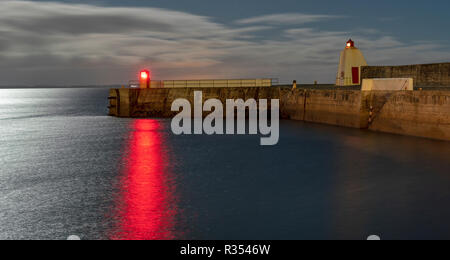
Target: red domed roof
{"points": [[350, 44]]}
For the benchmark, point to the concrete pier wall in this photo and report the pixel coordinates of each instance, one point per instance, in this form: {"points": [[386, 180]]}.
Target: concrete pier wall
{"points": [[415, 113], [141, 103], [424, 75], [334, 107]]}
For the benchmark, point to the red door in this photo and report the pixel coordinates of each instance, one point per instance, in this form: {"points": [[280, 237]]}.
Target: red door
{"points": [[355, 75]]}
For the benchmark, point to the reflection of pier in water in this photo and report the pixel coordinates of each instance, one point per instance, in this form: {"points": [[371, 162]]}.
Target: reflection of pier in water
{"points": [[147, 206]]}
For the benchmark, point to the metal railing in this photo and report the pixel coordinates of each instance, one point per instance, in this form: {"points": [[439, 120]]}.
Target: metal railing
{"points": [[213, 83]]}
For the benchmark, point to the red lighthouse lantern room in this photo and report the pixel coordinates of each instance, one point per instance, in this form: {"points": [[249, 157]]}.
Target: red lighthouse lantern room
{"points": [[350, 44], [144, 78]]}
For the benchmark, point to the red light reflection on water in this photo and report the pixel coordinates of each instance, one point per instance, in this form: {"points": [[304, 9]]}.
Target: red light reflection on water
{"points": [[147, 205]]}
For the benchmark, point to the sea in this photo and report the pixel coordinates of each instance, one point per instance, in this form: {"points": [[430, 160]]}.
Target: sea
{"points": [[68, 169]]}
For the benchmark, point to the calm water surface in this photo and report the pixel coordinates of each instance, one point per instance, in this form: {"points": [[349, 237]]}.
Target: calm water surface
{"points": [[68, 169]]}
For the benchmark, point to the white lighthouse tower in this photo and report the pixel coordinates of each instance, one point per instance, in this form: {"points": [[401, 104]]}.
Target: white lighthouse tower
{"points": [[349, 72]]}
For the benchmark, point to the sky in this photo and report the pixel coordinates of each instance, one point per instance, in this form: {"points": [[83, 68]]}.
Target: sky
{"points": [[107, 42]]}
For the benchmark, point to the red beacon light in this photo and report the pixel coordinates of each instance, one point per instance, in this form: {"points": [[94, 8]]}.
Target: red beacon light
{"points": [[350, 44], [144, 75], [144, 79]]}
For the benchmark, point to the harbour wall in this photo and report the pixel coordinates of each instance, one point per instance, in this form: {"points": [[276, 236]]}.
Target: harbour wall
{"points": [[424, 75], [415, 113]]}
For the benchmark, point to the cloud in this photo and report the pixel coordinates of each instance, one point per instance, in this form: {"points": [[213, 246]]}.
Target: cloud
{"points": [[60, 43], [40, 38], [286, 19]]}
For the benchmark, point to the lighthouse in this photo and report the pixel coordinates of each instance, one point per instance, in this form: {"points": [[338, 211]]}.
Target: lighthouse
{"points": [[351, 61]]}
